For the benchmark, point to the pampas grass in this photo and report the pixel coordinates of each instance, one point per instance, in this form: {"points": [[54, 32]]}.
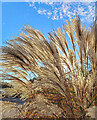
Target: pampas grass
{"points": [[65, 78]]}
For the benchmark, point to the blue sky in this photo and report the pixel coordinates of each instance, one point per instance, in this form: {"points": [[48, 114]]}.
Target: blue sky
{"points": [[15, 15], [42, 16]]}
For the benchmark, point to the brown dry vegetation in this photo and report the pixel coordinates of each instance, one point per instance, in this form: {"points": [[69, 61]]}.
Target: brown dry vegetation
{"points": [[66, 87]]}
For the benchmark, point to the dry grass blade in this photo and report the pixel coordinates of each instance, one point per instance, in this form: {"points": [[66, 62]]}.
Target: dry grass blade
{"points": [[59, 70]]}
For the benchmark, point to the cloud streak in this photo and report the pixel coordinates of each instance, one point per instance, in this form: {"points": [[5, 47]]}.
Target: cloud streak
{"points": [[63, 10]]}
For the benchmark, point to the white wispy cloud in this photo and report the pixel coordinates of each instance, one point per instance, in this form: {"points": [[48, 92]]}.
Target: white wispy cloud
{"points": [[62, 10], [39, 11], [49, 13], [42, 11], [61, 15]]}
